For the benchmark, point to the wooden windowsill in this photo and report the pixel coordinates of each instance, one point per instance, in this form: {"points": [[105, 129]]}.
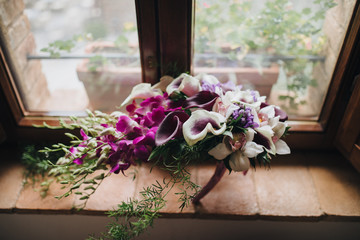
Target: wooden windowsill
{"points": [[304, 186]]}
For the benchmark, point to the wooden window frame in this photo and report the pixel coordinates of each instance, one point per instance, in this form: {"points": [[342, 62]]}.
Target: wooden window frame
{"points": [[165, 31]]}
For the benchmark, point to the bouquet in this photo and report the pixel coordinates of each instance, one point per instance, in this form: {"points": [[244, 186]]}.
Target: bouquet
{"points": [[175, 123]]}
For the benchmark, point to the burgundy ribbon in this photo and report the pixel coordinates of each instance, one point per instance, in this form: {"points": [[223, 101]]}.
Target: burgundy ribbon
{"points": [[218, 174]]}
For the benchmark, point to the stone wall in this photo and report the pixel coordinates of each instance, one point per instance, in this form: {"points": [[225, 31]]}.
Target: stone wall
{"points": [[19, 41], [335, 27]]}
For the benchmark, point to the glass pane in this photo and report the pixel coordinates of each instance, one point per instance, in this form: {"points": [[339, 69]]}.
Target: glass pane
{"points": [[285, 49], [76, 54]]}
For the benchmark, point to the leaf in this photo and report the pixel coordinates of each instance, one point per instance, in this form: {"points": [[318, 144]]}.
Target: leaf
{"points": [[89, 188], [72, 136], [306, 11], [100, 177]]}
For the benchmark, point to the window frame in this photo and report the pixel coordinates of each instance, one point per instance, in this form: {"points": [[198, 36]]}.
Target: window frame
{"points": [[164, 38]]}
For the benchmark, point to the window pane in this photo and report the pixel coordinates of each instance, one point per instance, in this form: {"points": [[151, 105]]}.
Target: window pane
{"points": [[74, 54], [287, 50]]}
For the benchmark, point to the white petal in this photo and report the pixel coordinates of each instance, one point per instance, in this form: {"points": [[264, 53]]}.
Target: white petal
{"points": [[186, 84], [190, 86], [250, 134], [164, 82], [273, 122], [231, 109], [141, 91], [268, 133], [211, 79], [252, 149], [279, 129], [282, 147], [256, 117], [269, 111], [220, 151], [238, 162], [203, 116], [174, 85]]}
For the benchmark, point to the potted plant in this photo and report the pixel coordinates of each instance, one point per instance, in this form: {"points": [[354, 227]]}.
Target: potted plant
{"points": [[108, 81], [255, 41]]}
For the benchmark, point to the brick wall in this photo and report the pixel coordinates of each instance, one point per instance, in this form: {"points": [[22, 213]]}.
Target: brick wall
{"points": [[19, 40]]}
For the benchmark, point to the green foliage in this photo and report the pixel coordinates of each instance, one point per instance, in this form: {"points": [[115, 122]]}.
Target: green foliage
{"points": [[96, 62], [59, 46], [96, 28], [133, 217], [37, 166], [277, 29], [263, 159]]}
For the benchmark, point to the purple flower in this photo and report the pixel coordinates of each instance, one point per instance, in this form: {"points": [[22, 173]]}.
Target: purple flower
{"points": [[79, 160], [200, 123], [244, 117], [125, 124], [203, 99], [120, 158], [171, 127], [206, 86], [151, 103]]}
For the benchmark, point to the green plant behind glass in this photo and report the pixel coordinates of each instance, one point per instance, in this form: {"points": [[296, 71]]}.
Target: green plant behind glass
{"points": [[238, 28]]}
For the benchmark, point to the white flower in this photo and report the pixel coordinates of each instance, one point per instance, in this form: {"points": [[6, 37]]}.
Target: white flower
{"points": [[239, 162], [141, 91], [220, 151], [163, 84], [249, 98], [184, 83], [279, 129], [267, 133], [200, 123]]}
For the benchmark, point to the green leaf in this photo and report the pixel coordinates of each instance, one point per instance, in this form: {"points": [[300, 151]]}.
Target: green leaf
{"points": [[76, 186], [306, 11], [89, 181], [89, 188], [100, 177]]}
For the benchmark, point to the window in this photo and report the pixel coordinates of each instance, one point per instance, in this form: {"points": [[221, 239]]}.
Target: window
{"points": [[287, 50], [170, 31], [74, 55]]}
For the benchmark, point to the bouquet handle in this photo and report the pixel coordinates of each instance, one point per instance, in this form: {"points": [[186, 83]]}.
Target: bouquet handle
{"points": [[218, 174]]}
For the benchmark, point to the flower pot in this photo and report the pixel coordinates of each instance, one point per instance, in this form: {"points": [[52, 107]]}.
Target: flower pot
{"points": [[260, 80], [108, 84]]}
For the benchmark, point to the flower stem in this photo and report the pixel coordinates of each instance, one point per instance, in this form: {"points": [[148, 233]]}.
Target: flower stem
{"points": [[218, 174]]}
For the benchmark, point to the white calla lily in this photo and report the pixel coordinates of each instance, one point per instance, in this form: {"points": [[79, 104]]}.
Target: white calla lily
{"points": [[141, 91], [185, 83], [268, 133], [200, 123]]}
